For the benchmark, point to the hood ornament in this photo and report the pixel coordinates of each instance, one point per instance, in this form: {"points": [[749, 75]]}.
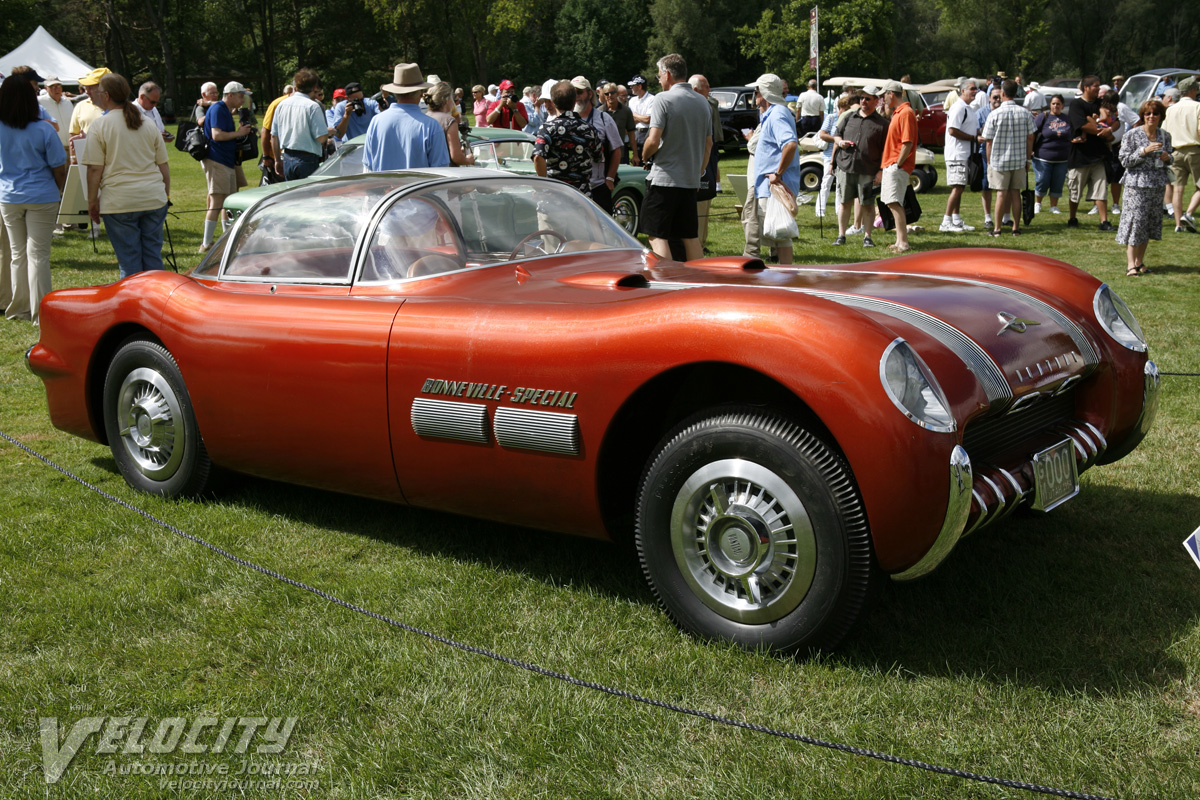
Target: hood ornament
{"points": [[1013, 323]]}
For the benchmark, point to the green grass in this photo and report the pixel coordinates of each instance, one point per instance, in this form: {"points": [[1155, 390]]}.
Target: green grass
{"points": [[1062, 649]]}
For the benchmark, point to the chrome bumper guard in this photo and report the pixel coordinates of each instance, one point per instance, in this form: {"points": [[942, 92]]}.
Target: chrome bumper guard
{"points": [[958, 509], [1153, 381]]}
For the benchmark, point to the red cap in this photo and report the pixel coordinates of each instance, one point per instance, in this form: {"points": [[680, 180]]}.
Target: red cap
{"points": [[339, 94], [506, 84]]}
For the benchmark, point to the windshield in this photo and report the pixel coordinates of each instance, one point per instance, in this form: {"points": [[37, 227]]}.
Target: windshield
{"points": [[725, 100], [514, 155], [348, 160], [470, 223], [1137, 90]]}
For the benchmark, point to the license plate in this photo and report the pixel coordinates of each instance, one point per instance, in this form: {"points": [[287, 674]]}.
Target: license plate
{"points": [[1055, 477]]}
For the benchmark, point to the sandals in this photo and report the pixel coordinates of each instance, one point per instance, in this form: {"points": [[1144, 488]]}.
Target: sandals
{"points": [[1132, 272], [897, 250], [1142, 269]]}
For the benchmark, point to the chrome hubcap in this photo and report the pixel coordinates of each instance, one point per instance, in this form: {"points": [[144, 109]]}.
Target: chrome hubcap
{"points": [[625, 213], [743, 541], [150, 419]]}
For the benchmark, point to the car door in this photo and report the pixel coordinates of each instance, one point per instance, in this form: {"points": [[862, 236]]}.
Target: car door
{"points": [[287, 370]]}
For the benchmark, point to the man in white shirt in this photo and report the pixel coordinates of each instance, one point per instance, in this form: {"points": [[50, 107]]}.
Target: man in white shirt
{"points": [[147, 102], [962, 127], [810, 110], [641, 104]]}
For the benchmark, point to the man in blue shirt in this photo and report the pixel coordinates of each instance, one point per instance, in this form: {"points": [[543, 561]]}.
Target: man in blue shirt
{"points": [[402, 137], [775, 159], [219, 172], [352, 116]]}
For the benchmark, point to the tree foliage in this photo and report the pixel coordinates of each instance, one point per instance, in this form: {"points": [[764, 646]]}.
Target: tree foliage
{"points": [[262, 42]]}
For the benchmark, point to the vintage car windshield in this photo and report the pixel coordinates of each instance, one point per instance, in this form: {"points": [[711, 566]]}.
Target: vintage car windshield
{"points": [[348, 160], [471, 223], [307, 235], [725, 100], [504, 154]]}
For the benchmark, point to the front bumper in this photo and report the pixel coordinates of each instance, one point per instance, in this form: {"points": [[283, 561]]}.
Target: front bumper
{"points": [[958, 508]]}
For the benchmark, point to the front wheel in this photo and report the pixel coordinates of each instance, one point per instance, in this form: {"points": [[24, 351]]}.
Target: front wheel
{"points": [[750, 529], [150, 425], [811, 177]]}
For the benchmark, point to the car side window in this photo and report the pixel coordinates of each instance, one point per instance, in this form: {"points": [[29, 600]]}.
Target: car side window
{"points": [[416, 237], [304, 236]]}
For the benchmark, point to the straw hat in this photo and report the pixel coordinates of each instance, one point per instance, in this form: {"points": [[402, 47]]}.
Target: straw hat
{"points": [[405, 80]]}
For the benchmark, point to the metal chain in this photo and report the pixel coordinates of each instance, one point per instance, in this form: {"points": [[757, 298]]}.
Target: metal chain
{"points": [[534, 668]]}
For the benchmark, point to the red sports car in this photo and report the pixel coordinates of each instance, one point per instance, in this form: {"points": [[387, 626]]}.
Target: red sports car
{"points": [[773, 440]]}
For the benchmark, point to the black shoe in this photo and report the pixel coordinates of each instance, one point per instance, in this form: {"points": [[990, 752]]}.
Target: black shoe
{"points": [[1107, 226], [867, 241], [1180, 229], [840, 240], [1072, 223]]}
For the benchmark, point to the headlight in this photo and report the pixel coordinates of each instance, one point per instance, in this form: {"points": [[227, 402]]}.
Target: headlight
{"points": [[1116, 318], [913, 389]]}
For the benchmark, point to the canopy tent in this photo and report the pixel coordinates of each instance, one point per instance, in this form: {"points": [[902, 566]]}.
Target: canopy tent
{"points": [[45, 54]]}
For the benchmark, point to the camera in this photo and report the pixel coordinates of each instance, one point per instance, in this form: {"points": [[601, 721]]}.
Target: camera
{"points": [[359, 106], [509, 96]]}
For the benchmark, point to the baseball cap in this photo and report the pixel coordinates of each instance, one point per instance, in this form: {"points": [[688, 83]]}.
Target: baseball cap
{"points": [[770, 87], [339, 93], [893, 86], [546, 87], [93, 77], [505, 85], [635, 80], [1186, 85], [580, 82], [53, 81], [233, 87], [352, 87], [872, 90]]}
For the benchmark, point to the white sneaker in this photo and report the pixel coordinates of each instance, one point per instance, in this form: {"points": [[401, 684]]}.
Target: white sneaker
{"points": [[1187, 220], [1095, 210], [854, 230], [1116, 209], [949, 227], [1037, 208], [1054, 210], [964, 226]]}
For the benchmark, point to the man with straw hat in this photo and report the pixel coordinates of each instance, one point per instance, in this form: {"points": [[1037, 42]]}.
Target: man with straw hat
{"points": [[402, 137]]}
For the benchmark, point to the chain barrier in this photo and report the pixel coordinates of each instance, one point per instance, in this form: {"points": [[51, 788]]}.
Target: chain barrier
{"points": [[561, 676]]}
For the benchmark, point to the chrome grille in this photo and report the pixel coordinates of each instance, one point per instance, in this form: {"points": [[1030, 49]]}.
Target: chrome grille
{"points": [[992, 435]]}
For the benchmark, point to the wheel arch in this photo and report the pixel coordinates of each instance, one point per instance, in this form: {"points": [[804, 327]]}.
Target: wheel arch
{"points": [[660, 405], [102, 356]]}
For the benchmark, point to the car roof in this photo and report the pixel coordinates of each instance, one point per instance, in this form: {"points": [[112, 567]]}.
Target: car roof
{"points": [[732, 89], [1165, 71]]}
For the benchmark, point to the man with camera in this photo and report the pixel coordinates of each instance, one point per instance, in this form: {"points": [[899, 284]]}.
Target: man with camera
{"points": [[507, 111], [353, 115]]}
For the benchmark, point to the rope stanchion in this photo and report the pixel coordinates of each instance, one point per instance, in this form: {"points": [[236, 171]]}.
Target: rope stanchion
{"points": [[561, 676]]}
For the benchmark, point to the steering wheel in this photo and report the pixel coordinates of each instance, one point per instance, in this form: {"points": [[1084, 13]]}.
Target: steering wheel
{"points": [[561, 241]]}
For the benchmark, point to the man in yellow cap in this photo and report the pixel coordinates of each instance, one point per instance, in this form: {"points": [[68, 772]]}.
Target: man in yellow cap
{"points": [[86, 112]]}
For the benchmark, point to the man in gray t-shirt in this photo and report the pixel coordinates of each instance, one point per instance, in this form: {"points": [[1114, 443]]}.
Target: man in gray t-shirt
{"points": [[678, 144]]}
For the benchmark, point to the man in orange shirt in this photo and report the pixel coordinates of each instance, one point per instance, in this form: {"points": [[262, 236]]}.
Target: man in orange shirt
{"points": [[899, 158]]}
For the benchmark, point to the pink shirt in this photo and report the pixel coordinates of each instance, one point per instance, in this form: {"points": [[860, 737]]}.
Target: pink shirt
{"points": [[480, 112]]}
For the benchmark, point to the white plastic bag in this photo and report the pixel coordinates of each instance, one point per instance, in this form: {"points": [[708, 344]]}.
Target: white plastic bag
{"points": [[777, 222]]}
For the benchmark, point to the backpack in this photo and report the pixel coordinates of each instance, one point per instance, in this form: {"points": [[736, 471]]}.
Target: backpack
{"points": [[196, 143]]}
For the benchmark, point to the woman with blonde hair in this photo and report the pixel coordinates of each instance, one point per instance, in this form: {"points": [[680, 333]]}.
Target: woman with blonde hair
{"points": [[479, 108], [128, 178], [440, 103]]}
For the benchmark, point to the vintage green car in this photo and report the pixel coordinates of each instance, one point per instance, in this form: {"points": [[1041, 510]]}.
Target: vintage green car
{"points": [[494, 148]]}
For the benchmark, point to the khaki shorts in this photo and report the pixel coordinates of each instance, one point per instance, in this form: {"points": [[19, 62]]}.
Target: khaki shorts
{"points": [[1091, 178], [1185, 165], [1007, 180], [851, 185], [893, 185], [221, 179]]}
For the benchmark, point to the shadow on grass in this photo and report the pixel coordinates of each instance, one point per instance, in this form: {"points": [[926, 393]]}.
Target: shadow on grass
{"points": [[1089, 598]]}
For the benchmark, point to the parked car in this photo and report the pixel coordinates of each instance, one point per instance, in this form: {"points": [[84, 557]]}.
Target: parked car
{"points": [[494, 148], [774, 441], [738, 114], [812, 166], [1139, 88], [931, 118]]}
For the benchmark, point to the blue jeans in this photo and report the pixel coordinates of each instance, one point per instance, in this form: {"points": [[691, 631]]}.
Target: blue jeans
{"points": [[1050, 177], [297, 164], [136, 237]]}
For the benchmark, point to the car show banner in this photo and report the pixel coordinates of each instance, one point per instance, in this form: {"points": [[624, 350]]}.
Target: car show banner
{"points": [[812, 41]]}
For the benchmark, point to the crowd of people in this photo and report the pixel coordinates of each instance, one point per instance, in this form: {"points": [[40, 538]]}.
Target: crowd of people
{"points": [[1090, 145]]}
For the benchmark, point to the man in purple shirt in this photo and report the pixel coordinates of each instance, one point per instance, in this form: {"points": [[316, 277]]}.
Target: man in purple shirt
{"points": [[403, 137]]}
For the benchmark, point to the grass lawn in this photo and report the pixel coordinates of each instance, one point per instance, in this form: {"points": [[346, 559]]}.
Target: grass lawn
{"points": [[1060, 649]]}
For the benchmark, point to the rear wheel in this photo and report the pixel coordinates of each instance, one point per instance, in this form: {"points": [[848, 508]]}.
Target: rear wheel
{"points": [[627, 208], [810, 178], [150, 425], [750, 529]]}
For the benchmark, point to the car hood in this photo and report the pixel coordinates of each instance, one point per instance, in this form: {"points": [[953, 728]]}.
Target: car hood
{"points": [[1015, 343]]}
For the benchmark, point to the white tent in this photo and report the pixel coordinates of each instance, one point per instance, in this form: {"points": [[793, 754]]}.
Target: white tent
{"points": [[46, 55]]}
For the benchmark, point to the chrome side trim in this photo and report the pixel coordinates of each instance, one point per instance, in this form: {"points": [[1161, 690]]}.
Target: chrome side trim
{"points": [[983, 513], [445, 419], [548, 431], [1102, 442], [1019, 494], [958, 508], [1153, 382], [29, 350]]}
